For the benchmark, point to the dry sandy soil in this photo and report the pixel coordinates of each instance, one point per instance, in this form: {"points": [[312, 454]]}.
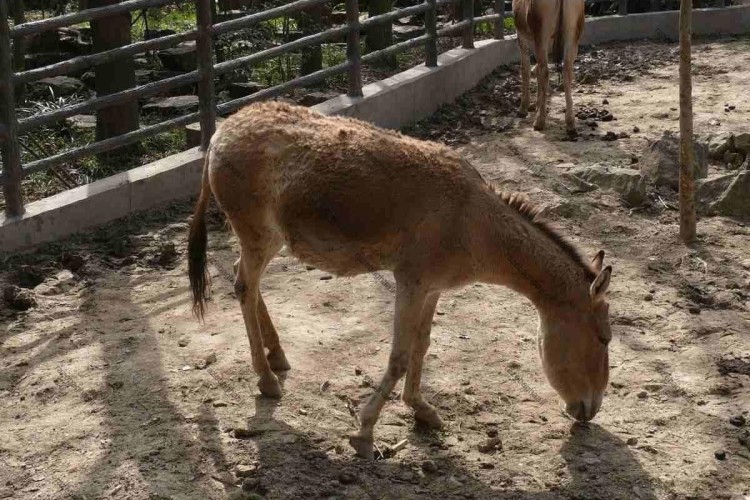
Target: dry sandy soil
{"points": [[111, 389]]}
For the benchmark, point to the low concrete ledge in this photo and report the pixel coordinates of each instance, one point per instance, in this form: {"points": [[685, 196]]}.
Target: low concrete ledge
{"points": [[392, 103], [175, 177]]}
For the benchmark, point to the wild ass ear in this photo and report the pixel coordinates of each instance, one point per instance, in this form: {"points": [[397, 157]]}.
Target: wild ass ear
{"points": [[598, 261], [600, 284]]}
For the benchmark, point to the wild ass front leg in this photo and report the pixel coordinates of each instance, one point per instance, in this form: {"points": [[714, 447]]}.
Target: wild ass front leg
{"points": [[247, 288], [542, 77], [523, 111], [423, 411], [409, 305]]}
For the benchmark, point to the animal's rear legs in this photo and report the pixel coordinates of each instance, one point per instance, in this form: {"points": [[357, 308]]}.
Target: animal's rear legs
{"points": [[247, 287], [525, 79], [276, 356]]}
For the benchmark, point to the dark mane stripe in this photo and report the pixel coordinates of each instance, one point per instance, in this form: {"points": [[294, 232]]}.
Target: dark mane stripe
{"points": [[532, 213]]}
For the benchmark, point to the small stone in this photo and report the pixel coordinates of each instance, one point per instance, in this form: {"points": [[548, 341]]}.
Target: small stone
{"points": [[302, 411], [491, 445], [250, 483], [183, 342], [636, 130], [486, 465], [632, 441], [347, 477], [642, 395], [694, 310], [648, 297], [357, 370], [737, 421], [310, 268], [610, 136], [219, 404], [210, 359], [720, 455], [19, 299], [244, 433], [324, 386], [605, 101], [243, 470], [326, 277], [492, 433], [429, 467]]}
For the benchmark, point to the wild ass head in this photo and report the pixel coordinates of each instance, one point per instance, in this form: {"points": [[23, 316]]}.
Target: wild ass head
{"points": [[573, 345]]}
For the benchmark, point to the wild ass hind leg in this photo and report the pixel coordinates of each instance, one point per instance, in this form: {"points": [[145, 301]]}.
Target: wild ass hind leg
{"points": [[276, 356], [571, 51], [423, 411], [409, 305], [542, 76], [523, 111], [247, 287]]}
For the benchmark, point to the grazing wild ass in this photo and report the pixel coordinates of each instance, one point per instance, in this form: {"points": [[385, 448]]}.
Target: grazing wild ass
{"points": [[541, 24], [350, 198]]}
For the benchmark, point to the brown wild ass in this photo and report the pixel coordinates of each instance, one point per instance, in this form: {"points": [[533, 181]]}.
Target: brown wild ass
{"points": [[545, 24], [350, 198]]}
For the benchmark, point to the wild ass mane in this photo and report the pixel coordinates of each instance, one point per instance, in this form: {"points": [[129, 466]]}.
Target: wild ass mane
{"points": [[533, 214]]}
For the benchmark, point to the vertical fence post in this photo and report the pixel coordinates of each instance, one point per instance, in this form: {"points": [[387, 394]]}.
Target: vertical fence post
{"points": [[12, 173], [19, 48], [206, 94], [500, 23], [353, 55], [430, 27], [623, 7], [468, 15]]}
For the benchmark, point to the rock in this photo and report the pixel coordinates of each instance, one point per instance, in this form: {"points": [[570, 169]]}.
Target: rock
{"points": [[167, 254], [347, 477], [642, 395], [719, 144], [61, 86], [243, 470], [486, 465], [632, 441], [491, 445], [735, 200], [357, 370], [406, 32], [492, 433], [82, 121], [173, 105], [648, 297], [180, 58], [219, 404], [707, 191], [243, 433], [242, 89], [314, 98], [737, 421], [250, 484], [183, 342], [610, 136], [742, 142], [630, 184], [660, 165], [429, 467], [18, 299], [720, 455]]}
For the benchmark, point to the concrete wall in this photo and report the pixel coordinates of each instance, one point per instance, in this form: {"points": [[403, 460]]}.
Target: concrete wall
{"points": [[394, 102]]}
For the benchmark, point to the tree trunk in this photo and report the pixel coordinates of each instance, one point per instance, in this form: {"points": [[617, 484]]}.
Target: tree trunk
{"points": [[687, 164], [109, 33]]}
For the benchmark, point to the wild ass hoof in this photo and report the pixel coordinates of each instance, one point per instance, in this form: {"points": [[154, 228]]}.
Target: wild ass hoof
{"points": [[277, 360], [362, 445], [428, 416], [269, 385]]}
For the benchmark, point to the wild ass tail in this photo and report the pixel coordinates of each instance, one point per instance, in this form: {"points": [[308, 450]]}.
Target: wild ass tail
{"points": [[200, 280], [558, 43]]}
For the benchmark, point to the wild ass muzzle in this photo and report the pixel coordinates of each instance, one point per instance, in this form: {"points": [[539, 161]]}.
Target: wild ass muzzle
{"points": [[350, 198], [544, 25]]}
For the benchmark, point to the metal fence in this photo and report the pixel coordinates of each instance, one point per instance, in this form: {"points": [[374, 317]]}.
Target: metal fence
{"points": [[203, 34]]}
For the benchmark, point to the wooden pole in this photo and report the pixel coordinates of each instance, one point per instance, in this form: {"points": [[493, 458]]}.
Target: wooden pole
{"points": [[468, 15], [353, 53], [500, 23], [19, 47], [12, 172], [430, 26], [687, 166], [206, 91]]}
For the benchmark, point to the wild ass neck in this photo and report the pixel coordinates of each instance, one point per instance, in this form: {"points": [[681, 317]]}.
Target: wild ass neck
{"points": [[516, 251]]}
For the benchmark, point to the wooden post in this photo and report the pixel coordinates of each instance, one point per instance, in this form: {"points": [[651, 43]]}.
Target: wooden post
{"points": [[430, 26], [19, 47], [109, 33], [687, 164], [206, 93], [353, 53], [623, 7], [500, 23], [468, 15], [12, 172]]}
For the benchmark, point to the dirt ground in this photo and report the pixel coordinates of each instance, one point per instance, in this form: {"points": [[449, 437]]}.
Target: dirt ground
{"points": [[111, 389]]}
